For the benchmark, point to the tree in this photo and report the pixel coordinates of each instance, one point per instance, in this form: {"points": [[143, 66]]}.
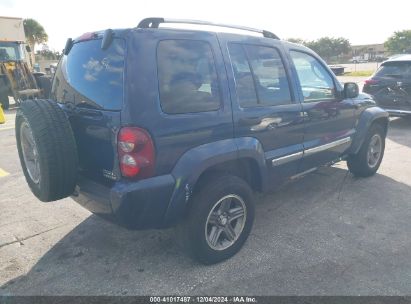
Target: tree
{"points": [[328, 48], [35, 33], [399, 42], [296, 40], [47, 55]]}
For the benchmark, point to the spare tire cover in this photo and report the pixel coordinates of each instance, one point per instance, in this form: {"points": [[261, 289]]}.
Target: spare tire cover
{"points": [[47, 149]]}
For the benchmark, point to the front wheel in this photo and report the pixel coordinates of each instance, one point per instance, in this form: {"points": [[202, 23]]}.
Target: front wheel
{"points": [[367, 161], [220, 219]]}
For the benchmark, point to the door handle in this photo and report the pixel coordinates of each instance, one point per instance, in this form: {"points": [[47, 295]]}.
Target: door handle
{"points": [[267, 123]]}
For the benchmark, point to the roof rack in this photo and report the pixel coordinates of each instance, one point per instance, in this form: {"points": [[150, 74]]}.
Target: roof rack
{"points": [[155, 22]]}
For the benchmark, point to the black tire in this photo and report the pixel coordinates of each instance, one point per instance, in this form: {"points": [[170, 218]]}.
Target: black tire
{"points": [[4, 100], [55, 149], [44, 82], [4, 94], [358, 164], [194, 228]]}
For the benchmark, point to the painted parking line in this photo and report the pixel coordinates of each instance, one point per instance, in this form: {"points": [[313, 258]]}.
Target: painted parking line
{"points": [[6, 128], [3, 173]]}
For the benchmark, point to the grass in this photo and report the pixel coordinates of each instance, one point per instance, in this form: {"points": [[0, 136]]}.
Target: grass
{"points": [[359, 73]]}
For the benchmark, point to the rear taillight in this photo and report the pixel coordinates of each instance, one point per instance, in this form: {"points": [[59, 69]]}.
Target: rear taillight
{"points": [[136, 152], [370, 81]]}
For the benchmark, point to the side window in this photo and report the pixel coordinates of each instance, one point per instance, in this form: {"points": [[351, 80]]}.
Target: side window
{"points": [[269, 74], [260, 76], [187, 77], [316, 82], [244, 82]]}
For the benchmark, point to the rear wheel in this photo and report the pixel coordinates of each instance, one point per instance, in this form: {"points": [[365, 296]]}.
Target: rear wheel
{"points": [[220, 219], [47, 149], [367, 161]]}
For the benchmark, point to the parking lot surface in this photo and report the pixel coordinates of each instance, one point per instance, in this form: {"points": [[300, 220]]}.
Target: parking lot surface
{"points": [[325, 234], [366, 66]]}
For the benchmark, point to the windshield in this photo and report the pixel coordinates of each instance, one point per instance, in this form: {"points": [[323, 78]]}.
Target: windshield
{"points": [[11, 51]]}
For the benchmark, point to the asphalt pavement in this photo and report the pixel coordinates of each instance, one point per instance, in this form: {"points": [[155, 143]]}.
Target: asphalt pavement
{"points": [[325, 234]]}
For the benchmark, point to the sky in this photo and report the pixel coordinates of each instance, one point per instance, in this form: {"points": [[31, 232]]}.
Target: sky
{"points": [[362, 22]]}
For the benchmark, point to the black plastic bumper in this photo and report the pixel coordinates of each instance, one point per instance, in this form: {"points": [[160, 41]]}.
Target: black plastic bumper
{"points": [[398, 112], [132, 204]]}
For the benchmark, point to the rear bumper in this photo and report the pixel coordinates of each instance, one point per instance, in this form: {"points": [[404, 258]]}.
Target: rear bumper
{"points": [[396, 112], [132, 204]]}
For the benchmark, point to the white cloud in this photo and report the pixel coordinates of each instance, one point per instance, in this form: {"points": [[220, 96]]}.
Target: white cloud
{"points": [[7, 3]]}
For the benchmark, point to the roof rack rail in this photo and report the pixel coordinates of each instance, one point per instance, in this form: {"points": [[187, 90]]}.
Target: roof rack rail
{"points": [[155, 22]]}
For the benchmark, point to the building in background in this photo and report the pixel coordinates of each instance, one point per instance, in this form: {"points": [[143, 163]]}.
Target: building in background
{"points": [[369, 52]]}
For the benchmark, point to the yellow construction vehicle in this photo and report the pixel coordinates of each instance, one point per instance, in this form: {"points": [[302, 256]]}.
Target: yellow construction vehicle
{"points": [[2, 118], [16, 78]]}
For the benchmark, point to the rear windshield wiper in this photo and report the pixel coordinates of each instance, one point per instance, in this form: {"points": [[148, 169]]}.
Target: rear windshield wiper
{"points": [[393, 75], [88, 105]]}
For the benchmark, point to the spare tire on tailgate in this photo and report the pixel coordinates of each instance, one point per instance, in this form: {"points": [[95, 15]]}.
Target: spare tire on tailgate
{"points": [[47, 149]]}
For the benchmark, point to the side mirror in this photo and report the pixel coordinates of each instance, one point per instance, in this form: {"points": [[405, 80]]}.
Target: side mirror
{"points": [[28, 48], [351, 90]]}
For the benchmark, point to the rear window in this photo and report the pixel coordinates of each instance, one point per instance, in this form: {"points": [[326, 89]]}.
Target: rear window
{"points": [[395, 69], [95, 74]]}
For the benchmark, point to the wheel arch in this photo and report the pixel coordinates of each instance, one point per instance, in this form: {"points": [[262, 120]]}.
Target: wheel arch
{"points": [[242, 157], [370, 116]]}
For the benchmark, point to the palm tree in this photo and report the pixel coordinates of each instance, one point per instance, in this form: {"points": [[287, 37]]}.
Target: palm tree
{"points": [[35, 33]]}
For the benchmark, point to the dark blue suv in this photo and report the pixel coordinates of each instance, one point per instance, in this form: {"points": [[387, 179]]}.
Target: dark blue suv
{"points": [[153, 126]]}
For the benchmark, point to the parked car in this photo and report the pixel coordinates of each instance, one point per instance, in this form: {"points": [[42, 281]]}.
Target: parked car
{"points": [[155, 127], [338, 70], [358, 60], [390, 85]]}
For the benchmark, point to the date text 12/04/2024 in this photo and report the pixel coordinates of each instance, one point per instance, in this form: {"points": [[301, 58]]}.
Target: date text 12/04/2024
{"points": [[203, 299]]}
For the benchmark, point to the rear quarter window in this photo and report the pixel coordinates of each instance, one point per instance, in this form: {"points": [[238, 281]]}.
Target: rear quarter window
{"points": [[92, 76], [187, 77]]}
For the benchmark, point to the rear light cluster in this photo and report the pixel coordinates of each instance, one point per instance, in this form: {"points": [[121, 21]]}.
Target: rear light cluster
{"points": [[370, 81], [136, 152]]}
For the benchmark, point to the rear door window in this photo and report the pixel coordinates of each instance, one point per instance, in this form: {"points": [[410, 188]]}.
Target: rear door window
{"points": [[187, 77], [96, 75], [260, 76], [246, 94]]}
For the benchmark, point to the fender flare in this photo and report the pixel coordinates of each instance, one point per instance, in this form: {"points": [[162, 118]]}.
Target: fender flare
{"points": [[195, 161], [364, 122]]}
